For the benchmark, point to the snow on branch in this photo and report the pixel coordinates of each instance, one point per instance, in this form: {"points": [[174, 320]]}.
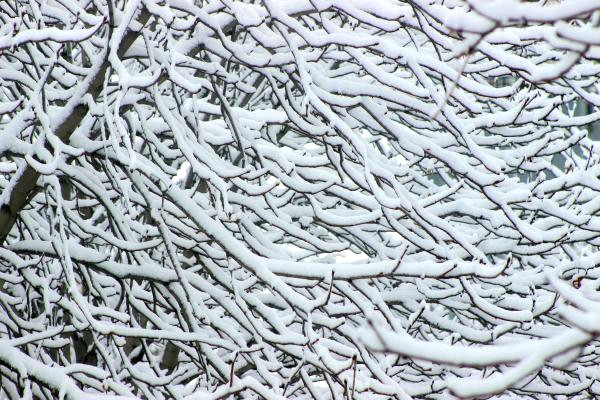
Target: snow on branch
{"points": [[339, 199]]}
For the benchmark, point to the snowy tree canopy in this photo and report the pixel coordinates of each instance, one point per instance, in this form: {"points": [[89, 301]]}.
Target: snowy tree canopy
{"points": [[313, 199]]}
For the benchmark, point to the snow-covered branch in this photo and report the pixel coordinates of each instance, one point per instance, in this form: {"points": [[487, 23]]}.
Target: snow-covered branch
{"points": [[299, 199]]}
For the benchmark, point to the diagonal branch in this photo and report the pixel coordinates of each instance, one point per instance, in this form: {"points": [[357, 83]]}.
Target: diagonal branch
{"points": [[25, 180]]}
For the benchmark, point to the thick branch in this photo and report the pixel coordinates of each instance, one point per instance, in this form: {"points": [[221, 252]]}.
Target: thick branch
{"points": [[26, 183]]}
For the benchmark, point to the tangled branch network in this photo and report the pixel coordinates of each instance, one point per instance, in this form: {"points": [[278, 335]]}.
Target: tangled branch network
{"points": [[312, 199]]}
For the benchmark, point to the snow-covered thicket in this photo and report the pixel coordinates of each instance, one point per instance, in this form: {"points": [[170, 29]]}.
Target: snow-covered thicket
{"points": [[345, 199]]}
